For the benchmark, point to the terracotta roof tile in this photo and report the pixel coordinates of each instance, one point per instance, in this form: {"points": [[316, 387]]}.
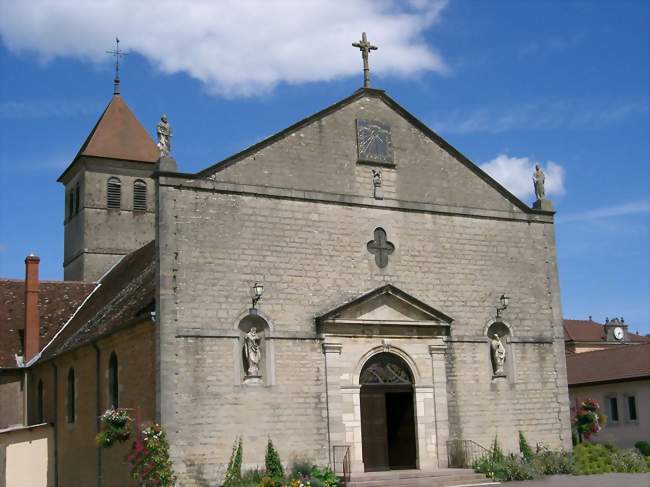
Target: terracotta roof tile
{"points": [[57, 302], [125, 294], [612, 364], [592, 331]]}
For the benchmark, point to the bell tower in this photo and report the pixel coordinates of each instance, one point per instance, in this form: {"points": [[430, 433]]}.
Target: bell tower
{"points": [[109, 193]]}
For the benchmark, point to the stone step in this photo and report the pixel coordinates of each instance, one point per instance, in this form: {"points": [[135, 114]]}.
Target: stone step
{"points": [[418, 478]]}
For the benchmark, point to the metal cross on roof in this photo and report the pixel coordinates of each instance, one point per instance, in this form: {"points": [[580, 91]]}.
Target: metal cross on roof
{"points": [[117, 53], [380, 247], [365, 47]]}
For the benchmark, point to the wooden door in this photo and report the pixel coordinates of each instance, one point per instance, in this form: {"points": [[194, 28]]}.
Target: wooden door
{"points": [[374, 436], [401, 429]]}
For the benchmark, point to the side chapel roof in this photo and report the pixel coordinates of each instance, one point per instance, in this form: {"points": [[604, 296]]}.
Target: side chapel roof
{"points": [[124, 296], [118, 134]]}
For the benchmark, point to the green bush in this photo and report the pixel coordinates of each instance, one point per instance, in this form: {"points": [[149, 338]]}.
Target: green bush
{"points": [[592, 458], [324, 477], [300, 467], [233, 473], [524, 447], [506, 467], [629, 460], [643, 447], [553, 462], [272, 461]]}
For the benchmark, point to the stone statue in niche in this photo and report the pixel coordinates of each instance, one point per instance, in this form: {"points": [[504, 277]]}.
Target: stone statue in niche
{"points": [[538, 182], [253, 354], [498, 355], [376, 184]]}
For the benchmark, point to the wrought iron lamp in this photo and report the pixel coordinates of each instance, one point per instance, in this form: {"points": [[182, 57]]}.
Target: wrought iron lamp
{"points": [[256, 293], [505, 299]]}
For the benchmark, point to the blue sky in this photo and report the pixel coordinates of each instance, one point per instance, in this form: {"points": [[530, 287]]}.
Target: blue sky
{"points": [[508, 83]]}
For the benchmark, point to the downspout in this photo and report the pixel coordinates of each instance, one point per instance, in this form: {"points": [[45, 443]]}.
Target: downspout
{"points": [[98, 413], [56, 423], [25, 398]]}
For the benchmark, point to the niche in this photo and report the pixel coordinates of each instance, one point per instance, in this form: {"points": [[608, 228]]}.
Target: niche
{"points": [[254, 351]]}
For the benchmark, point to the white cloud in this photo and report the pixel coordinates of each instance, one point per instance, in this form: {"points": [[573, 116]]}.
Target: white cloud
{"points": [[634, 208], [516, 174], [235, 47]]}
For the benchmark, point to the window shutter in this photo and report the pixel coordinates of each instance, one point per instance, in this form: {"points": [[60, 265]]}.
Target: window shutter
{"points": [[140, 195], [114, 193]]}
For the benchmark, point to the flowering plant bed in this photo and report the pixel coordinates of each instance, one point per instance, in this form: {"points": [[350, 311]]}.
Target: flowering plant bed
{"points": [[149, 458], [116, 428]]}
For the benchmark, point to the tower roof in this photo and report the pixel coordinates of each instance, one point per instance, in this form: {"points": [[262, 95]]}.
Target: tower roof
{"points": [[118, 134]]}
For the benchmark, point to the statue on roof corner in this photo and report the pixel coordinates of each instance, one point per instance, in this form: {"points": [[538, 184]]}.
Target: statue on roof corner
{"points": [[164, 131], [538, 182]]}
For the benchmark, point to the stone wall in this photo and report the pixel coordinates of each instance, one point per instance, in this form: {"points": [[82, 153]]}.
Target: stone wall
{"points": [[216, 239]]}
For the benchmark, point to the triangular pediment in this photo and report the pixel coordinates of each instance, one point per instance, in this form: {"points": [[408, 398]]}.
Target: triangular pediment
{"points": [[385, 306], [425, 168]]}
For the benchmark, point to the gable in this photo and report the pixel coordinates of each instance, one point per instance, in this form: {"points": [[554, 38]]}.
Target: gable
{"points": [[386, 310], [320, 153]]}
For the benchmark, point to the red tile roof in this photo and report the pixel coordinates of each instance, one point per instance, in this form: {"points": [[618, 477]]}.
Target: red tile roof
{"points": [[622, 362], [58, 300], [125, 295], [592, 331]]}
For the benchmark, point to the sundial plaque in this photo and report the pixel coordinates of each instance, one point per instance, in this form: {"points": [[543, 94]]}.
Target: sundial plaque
{"points": [[374, 142]]}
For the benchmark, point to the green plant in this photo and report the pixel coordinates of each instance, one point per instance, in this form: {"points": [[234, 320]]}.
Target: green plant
{"points": [[643, 447], [588, 419], [149, 458], [592, 458], [272, 462], [233, 472], [524, 447], [629, 460], [266, 482], [300, 467], [324, 477], [115, 428], [553, 462]]}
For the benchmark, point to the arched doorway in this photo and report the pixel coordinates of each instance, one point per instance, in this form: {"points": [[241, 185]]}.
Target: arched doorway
{"points": [[387, 414]]}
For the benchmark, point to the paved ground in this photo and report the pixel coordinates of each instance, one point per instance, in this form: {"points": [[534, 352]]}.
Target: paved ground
{"points": [[604, 480]]}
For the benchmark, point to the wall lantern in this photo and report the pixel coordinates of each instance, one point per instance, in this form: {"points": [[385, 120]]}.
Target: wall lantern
{"points": [[505, 300], [256, 293]]}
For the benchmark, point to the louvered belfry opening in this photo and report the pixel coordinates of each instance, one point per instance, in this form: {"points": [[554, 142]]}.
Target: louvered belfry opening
{"points": [[140, 195], [114, 193]]}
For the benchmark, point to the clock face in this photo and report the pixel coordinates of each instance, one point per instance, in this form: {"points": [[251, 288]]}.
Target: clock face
{"points": [[374, 141], [618, 333]]}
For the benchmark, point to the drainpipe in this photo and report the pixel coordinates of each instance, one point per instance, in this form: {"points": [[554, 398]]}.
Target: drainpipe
{"points": [[56, 423], [98, 413]]}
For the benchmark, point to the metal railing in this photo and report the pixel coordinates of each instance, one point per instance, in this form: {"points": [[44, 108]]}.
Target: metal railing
{"points": [[462, 453], [341, 462]]}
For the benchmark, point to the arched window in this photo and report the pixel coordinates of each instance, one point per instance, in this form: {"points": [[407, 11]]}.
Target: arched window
{"points": [[77, 197], [39, 402], [72, 393], [113, 383], [114, 193], [139, 195], [70, 204]]}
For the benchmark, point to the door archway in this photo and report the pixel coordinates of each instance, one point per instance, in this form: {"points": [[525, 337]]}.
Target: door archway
{"points": [[387, 414]]}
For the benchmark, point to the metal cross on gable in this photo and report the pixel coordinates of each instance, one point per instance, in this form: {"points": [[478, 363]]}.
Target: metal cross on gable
{"points": [[365, 47], [380, 247], [117, 53]]}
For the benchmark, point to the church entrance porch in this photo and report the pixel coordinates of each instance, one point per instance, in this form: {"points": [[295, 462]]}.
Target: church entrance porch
{"points": [[387, 415]]}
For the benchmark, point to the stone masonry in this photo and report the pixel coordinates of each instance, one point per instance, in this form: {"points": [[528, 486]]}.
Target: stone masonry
{"points": [[296, 213]]}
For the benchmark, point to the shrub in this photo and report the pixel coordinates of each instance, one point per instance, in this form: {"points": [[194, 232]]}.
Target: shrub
{"points": [[301, 467], [643, 447], [233, 473], [524, 447], [272, 462], [629, 460], [553, 463], [588, 419], [592, 458], [324, 477], [504, 468]]}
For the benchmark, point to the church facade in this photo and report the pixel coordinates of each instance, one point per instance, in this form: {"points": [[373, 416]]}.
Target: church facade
{"points": [[383, 254], [352, 287]]}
